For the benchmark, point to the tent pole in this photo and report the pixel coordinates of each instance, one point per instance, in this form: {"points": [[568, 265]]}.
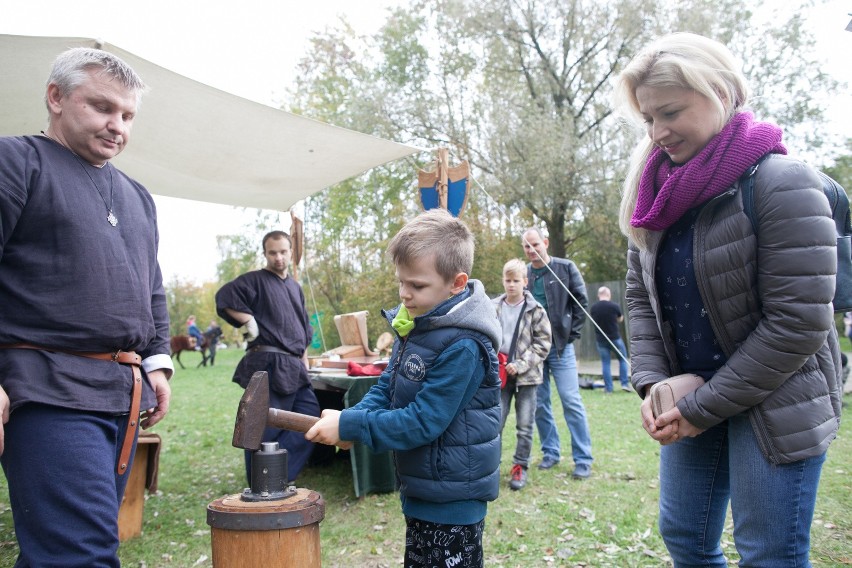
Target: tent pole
{"points": [[443, 176]]}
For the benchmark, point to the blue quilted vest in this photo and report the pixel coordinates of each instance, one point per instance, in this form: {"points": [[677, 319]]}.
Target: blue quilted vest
{"points": [[464, 462]]}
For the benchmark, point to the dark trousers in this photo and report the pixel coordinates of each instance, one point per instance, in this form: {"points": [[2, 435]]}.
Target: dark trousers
{"points": [[303, 401], [60, 465], [211, 351]]}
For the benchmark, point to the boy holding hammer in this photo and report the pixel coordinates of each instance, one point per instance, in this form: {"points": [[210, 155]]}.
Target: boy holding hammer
{"points": [[437, 404]]}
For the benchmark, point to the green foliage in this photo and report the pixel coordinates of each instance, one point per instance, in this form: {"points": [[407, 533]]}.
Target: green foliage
{"points": [[243, 252], [185, 298], [238, 254], [788, 82], [523, 91], [841, 170], [606, 521]]}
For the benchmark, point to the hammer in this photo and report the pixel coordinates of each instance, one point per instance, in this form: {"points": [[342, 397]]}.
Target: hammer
{"points": [[254, 415]]}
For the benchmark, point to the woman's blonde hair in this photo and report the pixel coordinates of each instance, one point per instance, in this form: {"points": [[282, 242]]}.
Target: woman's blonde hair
{"points": [[681, 60]]}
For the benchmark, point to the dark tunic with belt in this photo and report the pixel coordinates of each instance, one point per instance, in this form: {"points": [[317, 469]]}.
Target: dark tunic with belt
{"points": [[69, 280], [278, 306]]}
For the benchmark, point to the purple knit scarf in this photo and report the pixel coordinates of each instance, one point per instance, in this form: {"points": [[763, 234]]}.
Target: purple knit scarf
{"points": [[667, 190]]}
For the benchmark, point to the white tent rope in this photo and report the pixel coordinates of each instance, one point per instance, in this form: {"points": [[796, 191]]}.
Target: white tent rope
{"points": [[314, 304], [503, 214]]}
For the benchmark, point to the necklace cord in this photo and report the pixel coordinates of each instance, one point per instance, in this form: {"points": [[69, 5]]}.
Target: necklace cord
{"points": [[111, 218]]}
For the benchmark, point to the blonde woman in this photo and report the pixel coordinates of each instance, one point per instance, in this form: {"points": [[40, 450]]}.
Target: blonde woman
{"points": [[749, 313]]}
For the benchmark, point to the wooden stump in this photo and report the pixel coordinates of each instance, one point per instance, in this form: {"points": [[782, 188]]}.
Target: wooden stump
{"points": [[272, 534]]}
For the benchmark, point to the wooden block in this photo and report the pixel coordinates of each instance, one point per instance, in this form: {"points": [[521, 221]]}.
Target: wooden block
{"points": [[352, 329], [133, 504], [348, 351]]}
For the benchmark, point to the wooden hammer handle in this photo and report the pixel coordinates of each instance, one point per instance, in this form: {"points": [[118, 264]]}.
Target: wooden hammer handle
{"points": [[293, 421]]}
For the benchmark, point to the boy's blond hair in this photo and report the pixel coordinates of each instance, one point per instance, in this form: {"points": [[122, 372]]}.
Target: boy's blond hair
{"points": [[439, 233], [515, 267]]}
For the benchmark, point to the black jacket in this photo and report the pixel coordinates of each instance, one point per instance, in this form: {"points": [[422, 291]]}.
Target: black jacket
{"points": [[567, 315]]}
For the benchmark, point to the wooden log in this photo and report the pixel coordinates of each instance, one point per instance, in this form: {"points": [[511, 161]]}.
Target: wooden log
{"points": [[273, 534]]}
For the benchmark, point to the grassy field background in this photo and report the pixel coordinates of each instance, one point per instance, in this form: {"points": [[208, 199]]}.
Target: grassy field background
{"points": [[608, 520]]}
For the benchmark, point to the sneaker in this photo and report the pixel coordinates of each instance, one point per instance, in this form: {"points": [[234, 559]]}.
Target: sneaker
{"points": [[582, 471], [626, 388], [548, 462], [519, 477]]}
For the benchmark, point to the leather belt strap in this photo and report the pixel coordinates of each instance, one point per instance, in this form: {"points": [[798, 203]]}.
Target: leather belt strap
{"points": [[269, 349], [124, 358]]}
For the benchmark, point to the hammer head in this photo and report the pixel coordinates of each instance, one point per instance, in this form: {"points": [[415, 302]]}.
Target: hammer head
{"points": [[252, 413]]}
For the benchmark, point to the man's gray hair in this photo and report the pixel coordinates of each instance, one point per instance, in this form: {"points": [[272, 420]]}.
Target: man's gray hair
{"points": [[536, 230], [71, 67]]}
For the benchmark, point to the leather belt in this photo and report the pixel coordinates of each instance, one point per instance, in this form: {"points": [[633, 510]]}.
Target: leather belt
{"points": [[269, 349], [124, 358]]}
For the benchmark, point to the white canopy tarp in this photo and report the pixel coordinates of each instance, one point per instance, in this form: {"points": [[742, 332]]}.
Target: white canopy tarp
{"points": [[196, 142]]}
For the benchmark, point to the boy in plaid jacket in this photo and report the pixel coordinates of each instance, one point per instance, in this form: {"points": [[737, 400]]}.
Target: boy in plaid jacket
{"points": [[526, 343]]}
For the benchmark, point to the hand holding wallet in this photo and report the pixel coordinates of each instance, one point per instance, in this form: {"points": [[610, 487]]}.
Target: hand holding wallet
{"points": [[665, 394]]}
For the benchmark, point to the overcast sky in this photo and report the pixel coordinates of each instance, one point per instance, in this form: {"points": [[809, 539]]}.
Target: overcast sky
{"points": [[250, 49]]}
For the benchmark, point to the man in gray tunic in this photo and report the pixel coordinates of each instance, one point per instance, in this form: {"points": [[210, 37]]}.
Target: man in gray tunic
{"points": [[84, 329]]}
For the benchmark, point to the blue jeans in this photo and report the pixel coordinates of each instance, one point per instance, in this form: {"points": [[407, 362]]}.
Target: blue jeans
{"points": [[525, 397], [303, 401], [63, 486], [772, 505], [604, 349], [564, 371]]}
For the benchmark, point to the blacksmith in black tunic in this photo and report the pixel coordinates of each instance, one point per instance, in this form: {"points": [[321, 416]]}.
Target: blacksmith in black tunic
{"points": [[79, 279], [271, 305]]}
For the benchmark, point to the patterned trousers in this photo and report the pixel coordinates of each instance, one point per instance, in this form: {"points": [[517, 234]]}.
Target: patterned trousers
{"points": [[432, 545]]}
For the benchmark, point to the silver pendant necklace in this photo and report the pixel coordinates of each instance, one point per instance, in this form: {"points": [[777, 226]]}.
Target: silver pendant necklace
{"points": [[111, 218]]}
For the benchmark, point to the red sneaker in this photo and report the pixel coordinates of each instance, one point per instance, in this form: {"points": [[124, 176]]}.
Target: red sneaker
{"points": [[518, 477]]}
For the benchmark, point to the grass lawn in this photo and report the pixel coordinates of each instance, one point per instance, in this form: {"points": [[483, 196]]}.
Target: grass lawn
{"points": [[608, 520]]}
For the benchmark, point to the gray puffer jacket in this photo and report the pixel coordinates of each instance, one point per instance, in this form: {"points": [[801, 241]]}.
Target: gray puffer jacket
{"points": [[773, 318]]}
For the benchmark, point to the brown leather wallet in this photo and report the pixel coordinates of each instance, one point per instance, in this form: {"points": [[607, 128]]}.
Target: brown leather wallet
{"points": [[665, 394]]}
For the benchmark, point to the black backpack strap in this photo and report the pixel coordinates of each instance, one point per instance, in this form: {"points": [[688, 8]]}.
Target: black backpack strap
{"points": [[747, 191], [511, 354]]}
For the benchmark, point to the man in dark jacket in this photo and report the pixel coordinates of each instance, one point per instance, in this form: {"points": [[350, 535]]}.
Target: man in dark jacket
{"points": [[558, 286]]}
